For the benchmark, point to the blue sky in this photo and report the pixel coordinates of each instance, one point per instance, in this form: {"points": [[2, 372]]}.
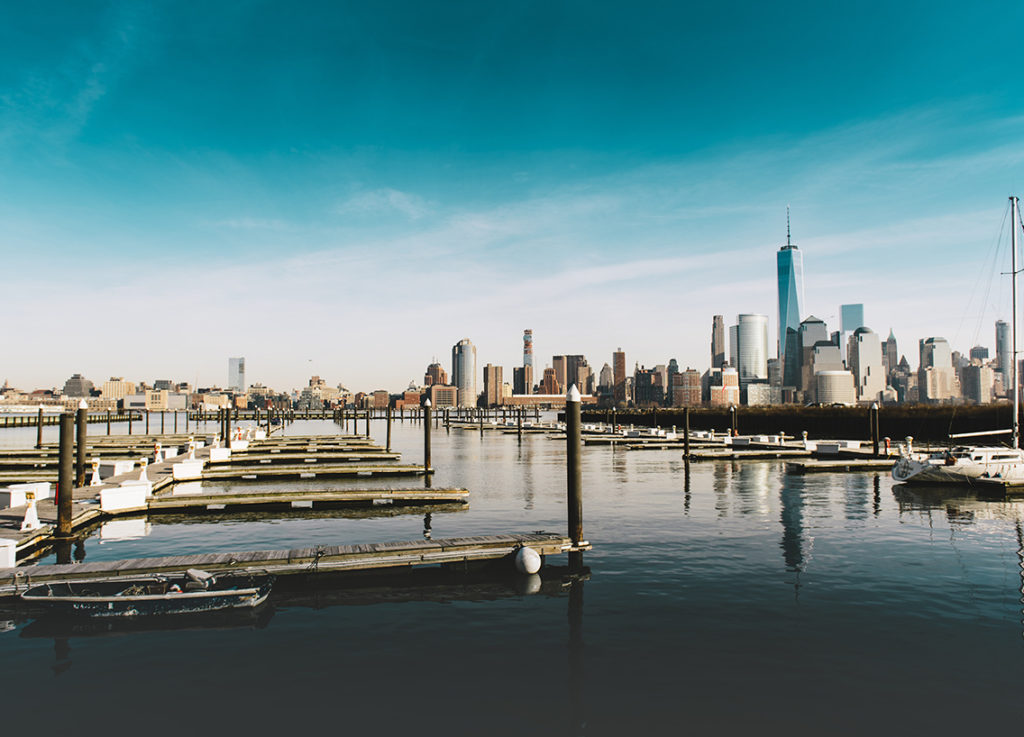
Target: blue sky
{"points": [[349, 189]]}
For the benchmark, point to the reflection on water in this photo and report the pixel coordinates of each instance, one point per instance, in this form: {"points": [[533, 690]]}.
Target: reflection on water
{"points": [[702, 614]]}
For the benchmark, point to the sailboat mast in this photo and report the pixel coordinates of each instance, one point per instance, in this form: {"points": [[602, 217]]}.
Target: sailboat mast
{"points": [[1013, 337]]}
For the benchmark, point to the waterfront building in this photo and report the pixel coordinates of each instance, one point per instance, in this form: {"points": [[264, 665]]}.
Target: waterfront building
{"points": [[723, 386], [812, 331], [77, 386], [619, 374], [435, 375], [717, 341], [549, 384], [646, 388], [443, 395], [936, 380], [686, 388], [117, 388], [977, 383], [789, 261], [236, 374], [464, 371], [1004, 353], [835, 387], [522, 380], [751, 348], [759, 394], [493, 393], [865, 353], [528, 349]]}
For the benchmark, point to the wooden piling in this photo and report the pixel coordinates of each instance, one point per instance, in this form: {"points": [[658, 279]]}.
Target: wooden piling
{"points": [[108, 422], [686, 433], [519, 423], [129, 422], [39, 429], [81, 417], [426, 438], [65, 474], [873, 422], [387, 447], [574, 474], [147, 421], [732, 419]]}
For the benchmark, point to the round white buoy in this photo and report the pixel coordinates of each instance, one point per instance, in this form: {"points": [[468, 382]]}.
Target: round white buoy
{"points": [[527, 560]]}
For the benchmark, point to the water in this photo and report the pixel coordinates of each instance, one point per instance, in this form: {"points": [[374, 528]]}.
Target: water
{"points": [[735, 600]]}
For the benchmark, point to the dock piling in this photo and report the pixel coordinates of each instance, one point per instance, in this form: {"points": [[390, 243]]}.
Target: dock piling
{"points": [[65, 475], [387, 447], [574, 473], [80, 433], [686, 435], [147, 421], [873, 420], [108, 422], [427, 470], [39, 429]]}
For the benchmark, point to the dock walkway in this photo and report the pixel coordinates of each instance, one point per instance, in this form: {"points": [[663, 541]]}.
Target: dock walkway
{"points": [[301, 561]]}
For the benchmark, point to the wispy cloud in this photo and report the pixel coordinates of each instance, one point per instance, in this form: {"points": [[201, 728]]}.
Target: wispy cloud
{"points": [[382, 202]]}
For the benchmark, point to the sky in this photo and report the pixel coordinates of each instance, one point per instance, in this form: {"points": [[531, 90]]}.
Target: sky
{"points": [[349, 189]]}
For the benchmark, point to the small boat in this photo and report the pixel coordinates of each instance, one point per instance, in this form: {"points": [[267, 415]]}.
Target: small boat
{"points": [[961, 465], [187, 593], [974, 464]]}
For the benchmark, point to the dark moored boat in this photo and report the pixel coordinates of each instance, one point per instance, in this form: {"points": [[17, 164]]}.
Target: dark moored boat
{"points": [[187, 593]]}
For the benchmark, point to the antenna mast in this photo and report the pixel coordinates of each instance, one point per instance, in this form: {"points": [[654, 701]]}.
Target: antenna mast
{"points": [[1013, 352], [788, 243]]}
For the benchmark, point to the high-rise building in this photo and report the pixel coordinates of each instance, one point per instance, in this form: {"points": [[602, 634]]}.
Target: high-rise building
{"points": [[790, 264], [686, 388], [1004, 353], [435, 375], [751, 348], [851, 317], [935, 378], [493, 394], [236, 374], [865, 353], [464, 371], [560, 365], [979, 353], [717, 341], [117, 388], [549, 384], [528, 348], [576, 371], [606, 379], [619, 374], [522, 380], [890, 355]]}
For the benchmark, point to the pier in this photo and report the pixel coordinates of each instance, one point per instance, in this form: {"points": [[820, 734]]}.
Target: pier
{"points": [[300, 561]]}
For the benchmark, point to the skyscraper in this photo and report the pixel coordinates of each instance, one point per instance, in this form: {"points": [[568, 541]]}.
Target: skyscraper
{"points": [[1004, 354], [236, 374], [790, 264], [619, 374], [492, 385], [752, 348], [464, 371], [717, 341], [936, 379], [866, 364], [560, 365], [528, 348], [890, 354]]}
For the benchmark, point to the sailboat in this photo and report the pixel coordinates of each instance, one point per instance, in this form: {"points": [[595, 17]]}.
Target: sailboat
{"points": [[974, 464]]}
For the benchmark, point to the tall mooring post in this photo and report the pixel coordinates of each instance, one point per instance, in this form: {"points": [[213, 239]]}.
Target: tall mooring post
{"points": [[427, 470], [574, 473], [147, 422], [129, 422], [65, 474], [873, 420], [80, 423], [227, 427], [388, 446], [39, 429], [732, 419], [368, 413], [686, 434], [519, 423], [108, 422]]}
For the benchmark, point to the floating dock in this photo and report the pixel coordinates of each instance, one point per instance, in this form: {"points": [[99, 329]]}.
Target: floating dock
{"points": [[301, 561]]}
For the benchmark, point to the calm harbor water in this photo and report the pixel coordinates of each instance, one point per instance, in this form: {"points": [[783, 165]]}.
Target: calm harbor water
{"points": [[732, 599]]}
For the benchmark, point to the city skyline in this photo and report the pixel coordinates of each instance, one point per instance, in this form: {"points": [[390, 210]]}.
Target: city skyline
{"points": [[273, 182]]}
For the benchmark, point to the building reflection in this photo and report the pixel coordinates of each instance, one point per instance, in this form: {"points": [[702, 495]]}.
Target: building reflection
{"points": [[792, 498]]}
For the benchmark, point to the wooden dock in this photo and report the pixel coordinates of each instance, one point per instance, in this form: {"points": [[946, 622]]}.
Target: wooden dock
{"points": [[307, 499], [301, 561], [817, 465]]}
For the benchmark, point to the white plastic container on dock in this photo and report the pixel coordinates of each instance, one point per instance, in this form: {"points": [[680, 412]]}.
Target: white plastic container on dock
{"points": [[15, 494]]}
